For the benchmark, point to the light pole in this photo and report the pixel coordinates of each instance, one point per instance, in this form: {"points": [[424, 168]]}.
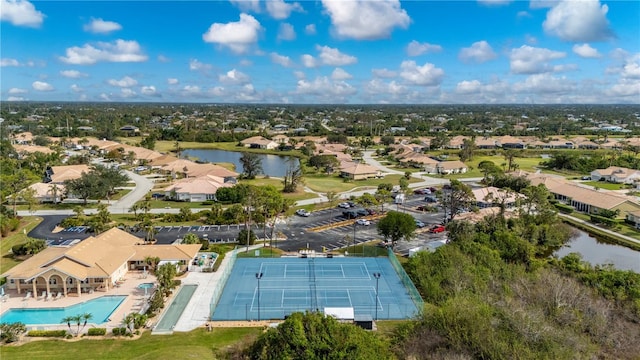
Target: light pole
{"points": [[258, 276], [355, 223], [377, 276]]}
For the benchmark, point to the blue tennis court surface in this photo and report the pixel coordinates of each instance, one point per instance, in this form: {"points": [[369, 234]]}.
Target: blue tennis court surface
{"points": [[299, 284]]}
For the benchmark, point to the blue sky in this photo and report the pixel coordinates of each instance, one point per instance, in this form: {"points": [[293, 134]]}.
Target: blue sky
{"points": [[325, 51]]}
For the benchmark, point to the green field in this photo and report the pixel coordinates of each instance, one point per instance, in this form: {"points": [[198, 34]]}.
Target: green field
{"points": [[18, 237], [605, 185], [323, 183], [197, 344]]}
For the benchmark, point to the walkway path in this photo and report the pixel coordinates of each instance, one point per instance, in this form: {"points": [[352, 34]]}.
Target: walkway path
{"points": [[599, 228]]}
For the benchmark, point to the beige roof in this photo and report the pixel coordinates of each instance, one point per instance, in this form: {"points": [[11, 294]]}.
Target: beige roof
{"points": [[418, 158], [32, 149], [598, 198], [450, 165], [163, 160], [256, 140], [494, 194], [357, 168], [193, 169], [617, 171], [43, 190], [98, 256], [200, 185], [68, 172], [140, 152]]}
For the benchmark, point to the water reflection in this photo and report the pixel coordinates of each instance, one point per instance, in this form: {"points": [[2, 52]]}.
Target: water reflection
{"points": [[272, 165], [598, 252]]}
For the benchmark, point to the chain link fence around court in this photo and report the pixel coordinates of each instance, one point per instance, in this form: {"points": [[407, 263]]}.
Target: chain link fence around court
{"points": [[406, 280], [224, 276]]}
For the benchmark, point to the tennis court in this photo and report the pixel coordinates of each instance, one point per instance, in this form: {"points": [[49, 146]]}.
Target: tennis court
{"points": [[289, 285]]}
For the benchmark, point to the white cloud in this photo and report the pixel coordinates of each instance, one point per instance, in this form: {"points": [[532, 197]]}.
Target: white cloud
{"points": [[281, 59], [545, 84], [234, 77], [172, 81], [245, 62], [584, 21], [42, 86], [76, 89], [116, 51], [127, 93], [340, 74], [323, 87], [196, 65], [148, 90], [479, 52], [286, 32], [299, 75], [384, 73], [530, 39], [333, 57], [73, 74], [309, 61], [532, 60], [247, 5], [16, 91], [280, 10], [366, 20], [15, 98], [625, 88], [9, 62], [125, 82], [238, 36], [468, 87], [190, 90], [586, 51], [416, 48], [99, 26], [425, 75], [104, 97], [379, 87], [20, 13], [310, 29]]}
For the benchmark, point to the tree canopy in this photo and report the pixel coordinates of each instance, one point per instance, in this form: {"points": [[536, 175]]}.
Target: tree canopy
{"points": [[397, 226]]}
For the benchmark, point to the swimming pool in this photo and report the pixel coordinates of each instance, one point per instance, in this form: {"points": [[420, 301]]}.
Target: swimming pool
{"points": [[101, 308]]}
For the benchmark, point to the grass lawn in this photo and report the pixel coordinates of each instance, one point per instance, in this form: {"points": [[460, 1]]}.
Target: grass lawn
{"points": [[300, 194], [197, 344], [17, 237], [166, 146], [324, 183], [605, 185], [264, 253]]}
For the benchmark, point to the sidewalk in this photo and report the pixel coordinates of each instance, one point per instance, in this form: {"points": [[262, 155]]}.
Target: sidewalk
{"points": [[607, 231], [198, 311]]}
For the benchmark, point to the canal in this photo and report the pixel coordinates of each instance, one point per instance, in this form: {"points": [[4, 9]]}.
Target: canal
{"points": [[272, 165], [598, 252]]}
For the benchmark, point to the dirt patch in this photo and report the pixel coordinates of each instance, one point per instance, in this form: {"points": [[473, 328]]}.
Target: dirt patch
{"points": [[57, 229]]}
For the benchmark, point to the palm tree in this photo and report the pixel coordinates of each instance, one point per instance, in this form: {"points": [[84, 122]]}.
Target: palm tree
{"points": [[68, 320], [84, 318]]}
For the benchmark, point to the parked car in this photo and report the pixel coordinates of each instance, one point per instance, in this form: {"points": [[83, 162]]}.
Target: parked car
{"points": [[344, 205], [372, 211], [586, 178], [362, 212], [364, 222], [350, 214], [437, 229], [424, 208], [351, 204], [421, 191], [302, 212], [420, 224], [430, 199]]}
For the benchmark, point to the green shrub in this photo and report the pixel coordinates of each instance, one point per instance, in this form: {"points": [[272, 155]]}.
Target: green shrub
{"points": [[603, 220], [47, 333], [564, 208], [97, 331], [177, 282], [119, 331]]}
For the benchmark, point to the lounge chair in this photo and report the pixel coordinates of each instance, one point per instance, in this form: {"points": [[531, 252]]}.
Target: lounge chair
{"points": [[49, 297], [27, 296], [5, 297], [58, 296], [43, 296]]}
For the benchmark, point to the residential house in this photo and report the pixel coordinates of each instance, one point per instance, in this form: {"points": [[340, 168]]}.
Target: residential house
{"points": [[586, 199], [60, 174], [451, 167], [259, 142], [485, 143], [494, 197], [96, 263], [197, 189], [48, 193], [616, 174], [358, 171], [633, 217]]}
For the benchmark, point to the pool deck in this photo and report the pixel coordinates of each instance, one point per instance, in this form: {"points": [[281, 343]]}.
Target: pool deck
{"points": [[133, 303]]}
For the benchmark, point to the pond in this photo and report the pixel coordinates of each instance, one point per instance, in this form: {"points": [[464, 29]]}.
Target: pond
{"points": [[598, 252], [272, 165]]}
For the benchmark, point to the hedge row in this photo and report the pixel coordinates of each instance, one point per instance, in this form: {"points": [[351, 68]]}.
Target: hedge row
{"points": [[119, 331], [47, 333], [97, 331], [564, 208]]}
